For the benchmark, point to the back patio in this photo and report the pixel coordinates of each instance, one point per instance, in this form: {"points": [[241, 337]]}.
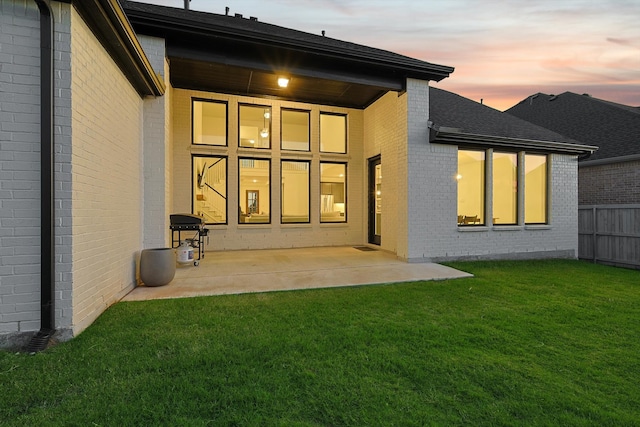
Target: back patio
{"points": [[235, 272]]}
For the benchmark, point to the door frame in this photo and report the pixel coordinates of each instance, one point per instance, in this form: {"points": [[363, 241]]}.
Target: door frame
{"points": [[371, 188]]}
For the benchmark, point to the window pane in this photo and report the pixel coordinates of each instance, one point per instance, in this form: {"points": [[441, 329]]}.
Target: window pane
{"points": [[333, 133], [255, 198], [295, 130], [209, 123], [505, 188], [535, 189], [470, 187], [295, 192], [255, 126], [210, 188], [333, 192]]}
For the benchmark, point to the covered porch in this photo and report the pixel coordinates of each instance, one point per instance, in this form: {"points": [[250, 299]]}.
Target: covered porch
{"points": [[236, 272]]}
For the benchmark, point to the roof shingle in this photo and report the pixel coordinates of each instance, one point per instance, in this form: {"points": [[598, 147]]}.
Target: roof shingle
{"points": [[615, 128], [447, 109]]}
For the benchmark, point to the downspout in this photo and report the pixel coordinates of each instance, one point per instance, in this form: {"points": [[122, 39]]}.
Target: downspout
{"points": [[47, 243]]}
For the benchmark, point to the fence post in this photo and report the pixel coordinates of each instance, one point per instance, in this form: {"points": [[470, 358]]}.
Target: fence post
{"points": [[594, 237]]}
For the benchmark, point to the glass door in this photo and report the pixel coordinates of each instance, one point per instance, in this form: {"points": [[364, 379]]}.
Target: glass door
{"points": [[375, 200]]}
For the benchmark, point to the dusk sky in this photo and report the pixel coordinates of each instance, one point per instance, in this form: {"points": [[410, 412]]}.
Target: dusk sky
{"points": [[502, 50]]}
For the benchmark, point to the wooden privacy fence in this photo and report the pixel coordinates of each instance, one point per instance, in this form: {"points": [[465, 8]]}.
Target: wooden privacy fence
{"points": [[610, 234]]}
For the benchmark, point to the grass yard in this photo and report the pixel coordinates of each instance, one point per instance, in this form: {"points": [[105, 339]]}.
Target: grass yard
{"points": [[522, 343]]}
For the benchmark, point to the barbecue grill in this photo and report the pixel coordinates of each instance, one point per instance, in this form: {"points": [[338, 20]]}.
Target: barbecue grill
{"points": [[189, 223]]}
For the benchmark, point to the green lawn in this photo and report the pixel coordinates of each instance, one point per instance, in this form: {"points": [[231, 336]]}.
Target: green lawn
{"points": [[527, 343]]}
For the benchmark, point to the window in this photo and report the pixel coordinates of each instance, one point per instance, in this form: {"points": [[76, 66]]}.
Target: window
{"points": [[210, 188], [333, 133], [333, 192], [255, 126], [471, 181], [295, 192], [254, 194], [295, 130], [535, 189], [505, 188], [209, 122]]}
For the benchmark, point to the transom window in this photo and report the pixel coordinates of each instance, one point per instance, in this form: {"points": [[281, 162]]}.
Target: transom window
{"points": [[209, 122], [255, 126], [333, 133], [295, 130]]}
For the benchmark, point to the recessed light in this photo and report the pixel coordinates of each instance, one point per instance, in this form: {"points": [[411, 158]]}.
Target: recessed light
{"points": [[283, 81]]}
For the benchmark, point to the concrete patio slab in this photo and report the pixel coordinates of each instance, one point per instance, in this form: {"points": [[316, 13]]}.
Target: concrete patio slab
{"points": [[237, 272]]}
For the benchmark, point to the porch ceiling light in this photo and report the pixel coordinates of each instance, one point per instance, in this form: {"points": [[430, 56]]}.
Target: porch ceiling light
{"points": [[283, 81]]}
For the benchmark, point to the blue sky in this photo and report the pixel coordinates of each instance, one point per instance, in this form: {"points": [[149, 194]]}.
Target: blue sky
{"points": [[502, 50]]}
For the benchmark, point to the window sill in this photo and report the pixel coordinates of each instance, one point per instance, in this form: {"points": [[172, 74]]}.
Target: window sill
{"points": [[508, 228], [466, 229], [537, 227], [254, 225], [295, 225], [333, 224]]}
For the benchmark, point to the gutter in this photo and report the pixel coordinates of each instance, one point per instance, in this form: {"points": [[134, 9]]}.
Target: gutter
{"points": [[47, 243], [453, 136], [609, 160]]}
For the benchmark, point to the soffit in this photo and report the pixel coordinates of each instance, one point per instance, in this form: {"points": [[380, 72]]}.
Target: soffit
{"points": [[241, 56]]}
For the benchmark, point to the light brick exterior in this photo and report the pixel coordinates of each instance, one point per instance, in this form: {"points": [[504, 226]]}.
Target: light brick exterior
{"points": [[385, 134], [19, 168], [609, 184], [107, 183], [236, 236], [98, 185], [158, 152]]}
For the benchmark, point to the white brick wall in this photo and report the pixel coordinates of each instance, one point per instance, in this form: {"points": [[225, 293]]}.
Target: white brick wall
{"points": [[63, 169], [274, 235], [442, 239], [385, 135], [106, 196], [157, 153], [19, 168], [420, 192]]}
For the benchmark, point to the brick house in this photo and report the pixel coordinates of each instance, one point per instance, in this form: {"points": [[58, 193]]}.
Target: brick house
{"points": [[611, 175], [150, 110]]}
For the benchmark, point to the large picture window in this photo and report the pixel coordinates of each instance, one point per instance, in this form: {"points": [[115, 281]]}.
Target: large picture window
{"points": [[254, 194], [295, 191], [535, 189], [333, 195], [210, 188], [209, 122], [295, 130], [255, 126], [333, 133], [505, 188], [471, 185]]}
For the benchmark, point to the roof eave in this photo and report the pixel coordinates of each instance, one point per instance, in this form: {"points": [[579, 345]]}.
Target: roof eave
{"points": [[434, 72], [611, 160], [468, 139], [110, 24]]}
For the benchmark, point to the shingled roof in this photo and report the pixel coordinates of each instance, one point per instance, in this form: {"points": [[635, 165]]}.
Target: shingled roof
{"points": [[456, 119], [615, 128]]}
